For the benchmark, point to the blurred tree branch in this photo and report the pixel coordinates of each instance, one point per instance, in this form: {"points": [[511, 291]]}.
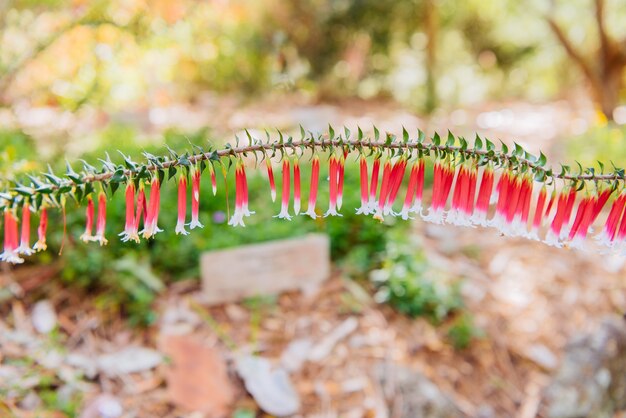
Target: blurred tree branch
{"points": [[92, 17], [604, 74]]}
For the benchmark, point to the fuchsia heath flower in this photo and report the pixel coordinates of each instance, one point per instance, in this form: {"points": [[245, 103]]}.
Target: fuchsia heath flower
{"points": [[10, 252], [130, 228], [195, 199], [333, 183], [365, 207], [101, 221], [41, 245], [284, 206], [24, 247], [89, 213], [150, 227], [182, 206], [315, 173], [270, 176]]}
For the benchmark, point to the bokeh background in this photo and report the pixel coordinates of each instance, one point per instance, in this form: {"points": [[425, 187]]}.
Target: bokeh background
{"points": [[483, 321]]}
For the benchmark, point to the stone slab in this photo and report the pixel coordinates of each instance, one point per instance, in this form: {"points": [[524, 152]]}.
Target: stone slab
{"points": [[264, 269]]}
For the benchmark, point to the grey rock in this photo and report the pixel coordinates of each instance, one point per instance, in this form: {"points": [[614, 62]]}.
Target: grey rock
{"points": [[420, 396], [591, 381]]}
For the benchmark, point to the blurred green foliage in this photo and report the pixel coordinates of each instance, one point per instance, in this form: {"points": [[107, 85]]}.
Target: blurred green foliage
{"points": [[408, 283], [603, 142]]}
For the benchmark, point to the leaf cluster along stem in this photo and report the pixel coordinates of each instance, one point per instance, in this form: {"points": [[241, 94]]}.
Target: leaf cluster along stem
{"points": [[515, 159]]}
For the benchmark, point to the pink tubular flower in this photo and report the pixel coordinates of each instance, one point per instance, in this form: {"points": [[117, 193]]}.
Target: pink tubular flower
{"points": [[213, 179], [554, 233], [582, 221], [102, 219], [539, 213], [458, 212], [395, 182], [10, 252], [419, 188], [41, 245], [364, 209], [24, 247], [410, 192], [484, 196], [89, 213], [141, 211], [333, 180], [270, 176], [384, 190], [505, 186], [284, 206], [130, 230], [238, 214], [296, 187], [182, 206], [315, 171], [608, 234], [150, 227], [244, 184], [195, 199], [374, 184], [442, 183], [341, 168]]}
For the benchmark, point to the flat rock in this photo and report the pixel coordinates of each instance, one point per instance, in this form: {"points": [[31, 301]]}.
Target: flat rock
{"points": [[197, 378], [591, 381], [265, 269], [128, 360]]}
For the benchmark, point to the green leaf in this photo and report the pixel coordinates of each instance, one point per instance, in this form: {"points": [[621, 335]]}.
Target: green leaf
{"points": [[376, 134], [436, 139], [346, 132], [478, 143], [331, 133], [490, 145], [405, 135], [421, 136], [359, 133], [451, 140], [171, 172], [463, 143], [542, 160], [519, 151], [505, 149]]}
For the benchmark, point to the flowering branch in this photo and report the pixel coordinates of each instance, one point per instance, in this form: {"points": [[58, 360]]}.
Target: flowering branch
{"points": [[522, 179]]}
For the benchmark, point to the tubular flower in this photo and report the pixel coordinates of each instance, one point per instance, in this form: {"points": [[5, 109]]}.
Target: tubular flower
{"points": [[237, 218], [150, 227], [365, 208], [89, 213], [296, 187], [374, 184], [130, 230], [182, 206], [102, 219], [394, 186], [195, 199], [10, 252], [245, 202], [442, 182], [484, 194], [341, 168], [315, 172], [582, 221], [213, 179], [539, 213], [419, 188], [410, 192], [384, 190], [286, 190], [270, 176], [333, 170], [458, 212], [24, 247], [41, 245], [552, 237], [608, 234], [140, 213], [506, 183]]}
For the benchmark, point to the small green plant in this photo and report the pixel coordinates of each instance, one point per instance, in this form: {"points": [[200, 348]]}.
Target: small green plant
{"points": [[408, 283], [462, 331]]}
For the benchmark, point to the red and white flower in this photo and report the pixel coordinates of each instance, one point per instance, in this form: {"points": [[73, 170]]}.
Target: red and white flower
{"points": [[315, 173], [286, 191], [10, 252], [182, 206], [195, 199], [24, 247]]}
